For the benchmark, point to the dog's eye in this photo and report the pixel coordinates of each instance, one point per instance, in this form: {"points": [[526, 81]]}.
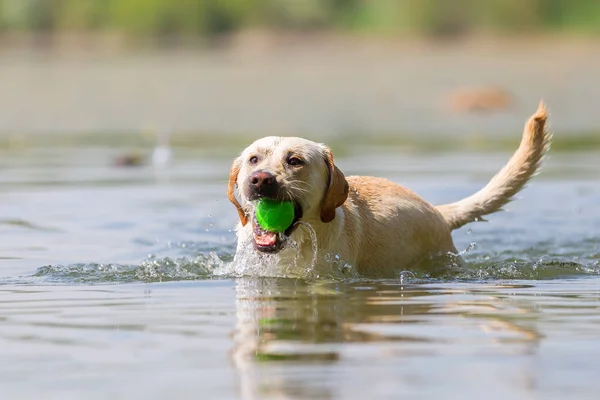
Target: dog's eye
{"points": [[253, 160], [295, 161]]}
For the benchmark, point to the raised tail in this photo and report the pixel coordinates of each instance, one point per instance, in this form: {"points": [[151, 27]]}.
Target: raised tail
{"points": [[509, 181]]}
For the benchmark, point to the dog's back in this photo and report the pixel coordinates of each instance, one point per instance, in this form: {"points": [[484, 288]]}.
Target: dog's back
{"points": [[387, 225]]}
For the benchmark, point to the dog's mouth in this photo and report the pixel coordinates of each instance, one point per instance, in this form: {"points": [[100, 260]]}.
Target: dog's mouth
{"points": [[271, 242]]}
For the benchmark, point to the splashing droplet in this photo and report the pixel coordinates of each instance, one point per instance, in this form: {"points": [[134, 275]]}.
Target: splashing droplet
{"points": [[405, 276], [470, 247], [314, 243]]}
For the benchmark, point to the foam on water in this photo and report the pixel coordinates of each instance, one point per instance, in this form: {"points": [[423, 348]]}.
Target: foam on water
{"points": [[151, 270], [249, 263], [205, 262], [289, 263]]}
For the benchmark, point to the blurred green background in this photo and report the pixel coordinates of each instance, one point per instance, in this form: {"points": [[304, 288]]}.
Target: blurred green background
{"points": [[323, 69], [207, 18]]}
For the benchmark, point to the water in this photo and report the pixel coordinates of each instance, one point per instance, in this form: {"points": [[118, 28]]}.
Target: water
{"points": [[114, 283]]}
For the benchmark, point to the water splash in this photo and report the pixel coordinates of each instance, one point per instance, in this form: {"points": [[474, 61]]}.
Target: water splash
{"points": [[314, 243], [511, 269], [247, 262], [339, 268], [152, 270], [284, 264], [467, 249], [406, 276], [291, 262]]}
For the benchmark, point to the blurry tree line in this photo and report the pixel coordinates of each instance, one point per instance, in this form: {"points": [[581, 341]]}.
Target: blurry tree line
{"points": [[149, 18]]}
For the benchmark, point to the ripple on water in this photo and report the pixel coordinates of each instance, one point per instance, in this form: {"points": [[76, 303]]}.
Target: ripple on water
{"points": [[152, 270], [211, 266], [527, 270]]}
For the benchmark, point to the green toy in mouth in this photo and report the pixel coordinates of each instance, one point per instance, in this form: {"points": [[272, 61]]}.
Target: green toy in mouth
{"points": [[274, 216], [273, 220]]}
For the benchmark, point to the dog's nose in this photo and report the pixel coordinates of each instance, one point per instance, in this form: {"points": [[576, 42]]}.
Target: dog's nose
{"points": [[262, 178], [263, 184]]}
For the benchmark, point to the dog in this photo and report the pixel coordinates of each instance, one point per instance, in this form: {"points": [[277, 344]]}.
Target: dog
{"points": [[372, 224]]}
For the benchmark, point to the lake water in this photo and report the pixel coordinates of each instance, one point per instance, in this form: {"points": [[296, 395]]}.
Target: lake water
{"points": [[108, 287]]}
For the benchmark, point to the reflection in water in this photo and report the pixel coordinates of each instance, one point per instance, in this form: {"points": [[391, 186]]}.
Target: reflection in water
{"points": [[292, 339]]}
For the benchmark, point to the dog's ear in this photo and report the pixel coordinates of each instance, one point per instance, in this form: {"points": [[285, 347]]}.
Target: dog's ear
{"points": [[233, 175], [337, 189]]}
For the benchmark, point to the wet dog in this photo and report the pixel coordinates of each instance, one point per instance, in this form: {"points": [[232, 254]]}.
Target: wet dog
{"points": [[375, 225]]}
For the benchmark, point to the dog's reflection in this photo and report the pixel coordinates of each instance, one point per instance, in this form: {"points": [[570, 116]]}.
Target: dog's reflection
{"points": [[284, 325]]}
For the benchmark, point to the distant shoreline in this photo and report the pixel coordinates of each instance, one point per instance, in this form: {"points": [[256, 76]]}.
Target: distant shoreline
{"points": [[115, 43], [320, 85]]}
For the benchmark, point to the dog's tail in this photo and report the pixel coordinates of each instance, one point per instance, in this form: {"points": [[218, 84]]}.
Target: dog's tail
{"points": [[509, 181]]}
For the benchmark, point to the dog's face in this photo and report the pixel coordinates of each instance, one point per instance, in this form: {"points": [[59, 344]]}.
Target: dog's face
{"points": [[286, 169]]}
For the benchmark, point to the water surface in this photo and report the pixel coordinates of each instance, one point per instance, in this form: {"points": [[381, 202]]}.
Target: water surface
{"points": [[108, 287]]}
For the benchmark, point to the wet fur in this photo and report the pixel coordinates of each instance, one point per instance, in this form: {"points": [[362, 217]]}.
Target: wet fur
{"points": [[375, 225]]}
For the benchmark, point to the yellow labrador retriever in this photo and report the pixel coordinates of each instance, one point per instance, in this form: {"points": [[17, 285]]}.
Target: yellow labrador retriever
{"points": [[373, 224]]}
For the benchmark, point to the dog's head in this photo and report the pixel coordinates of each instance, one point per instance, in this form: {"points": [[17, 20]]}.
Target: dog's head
{"points": [[286, 169]]}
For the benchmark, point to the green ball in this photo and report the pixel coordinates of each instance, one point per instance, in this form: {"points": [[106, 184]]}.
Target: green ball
{"points": [[274, 216]]}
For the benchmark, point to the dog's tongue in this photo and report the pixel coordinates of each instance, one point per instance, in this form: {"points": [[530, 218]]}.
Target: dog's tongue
{"points": [[265, 238]]}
